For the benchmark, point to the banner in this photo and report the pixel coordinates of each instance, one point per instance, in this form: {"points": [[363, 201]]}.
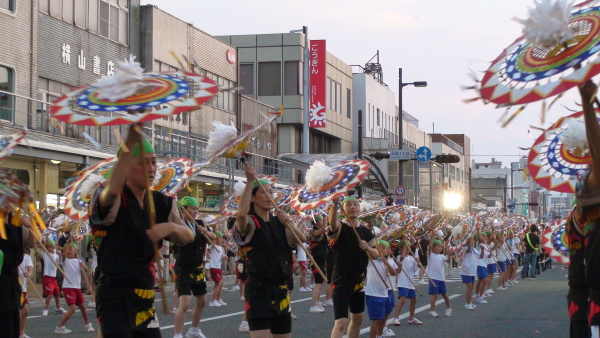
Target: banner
{"points": [[318, 81]]}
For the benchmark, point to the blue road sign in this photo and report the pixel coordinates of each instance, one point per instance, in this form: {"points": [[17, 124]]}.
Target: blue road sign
{"points": [[400, 201], [423, 154]]}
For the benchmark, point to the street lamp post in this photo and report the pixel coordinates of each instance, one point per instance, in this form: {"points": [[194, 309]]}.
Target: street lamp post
{"points": [[400, 121], [305, 90]]}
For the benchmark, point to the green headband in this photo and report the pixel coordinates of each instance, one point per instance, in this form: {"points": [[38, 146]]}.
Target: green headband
{"points": [[219, 234], [262, 181], [148, 148], [349, 198], [318, 218], [436, 242], [50, 242], [489, 233], [384, 243], [189, 201]]}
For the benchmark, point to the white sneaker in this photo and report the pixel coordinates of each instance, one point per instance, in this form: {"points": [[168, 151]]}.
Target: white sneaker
{"points": [[312, 286], [449, 312], [214, 303], [387, 332], [501, 288], [305, 289], [60, 310], [173, 309], [221, 302], [24, 336], [489, 291], [433, 314], [88, 327], [414, 321], [195, 332], [469, 307], [62, 330], [44, 312], [396, 322], [481, 300], [423, 282], [515, 281], [293, 316], [328, 303], [91, 304], [242, 298], [316, 309], [235, 288], [244, 327], [487, 294]]}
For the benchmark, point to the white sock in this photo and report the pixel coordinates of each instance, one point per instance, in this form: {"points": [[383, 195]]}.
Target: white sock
{"points": [[195, 328], [595, 331], [177, 335]]}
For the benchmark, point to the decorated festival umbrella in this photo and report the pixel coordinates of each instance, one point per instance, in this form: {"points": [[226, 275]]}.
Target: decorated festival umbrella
{"points": [[327, 183], [9, 142], [133, 90], [557, 157], [460, 234], [173, 176], [558, 39], [80, 193], [283, 196], [555, 243], [398, 216], [369, 215]]}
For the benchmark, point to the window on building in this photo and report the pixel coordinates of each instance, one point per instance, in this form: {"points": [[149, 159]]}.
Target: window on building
{"points": [[348, 103], [247, 78], [269, 78], [338, 98], [378, 118], [7, 107], [80, 14], [291, 78]]}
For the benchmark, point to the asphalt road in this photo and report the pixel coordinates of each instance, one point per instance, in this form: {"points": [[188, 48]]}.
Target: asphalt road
{"points": [[532, 308]]}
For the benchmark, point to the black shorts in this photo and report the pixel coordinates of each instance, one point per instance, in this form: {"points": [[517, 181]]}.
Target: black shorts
{"points": [[344, 298], [290, 283], [124, 309], [321, 264], [281, 324], [185, 288], [266, 299]]}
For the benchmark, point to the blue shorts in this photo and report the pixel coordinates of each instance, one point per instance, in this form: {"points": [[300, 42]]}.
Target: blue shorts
{"points": [[502, 266], [491, 268], [391, 302], [508, 262], [467, 279], [376, 307], [407, 293], [439, 289], [482, 272]]}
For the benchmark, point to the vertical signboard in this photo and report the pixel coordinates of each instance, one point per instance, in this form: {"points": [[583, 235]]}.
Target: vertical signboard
{"points": [[318, 80]]}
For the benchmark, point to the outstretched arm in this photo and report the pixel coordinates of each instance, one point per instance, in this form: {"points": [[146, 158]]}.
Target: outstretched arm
{"points": [[592, 131], [241, 222]]}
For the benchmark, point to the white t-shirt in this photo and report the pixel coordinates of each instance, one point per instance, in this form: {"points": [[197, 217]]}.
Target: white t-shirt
{"points": [[301, 254], [486, 252], [375, 286], [216, 256], [391, 278], [435, 266], [26, 263], [410, 266], [491, 260], [501, 253], [469, 262], [49, 267], [73, 272], [515, 245]]}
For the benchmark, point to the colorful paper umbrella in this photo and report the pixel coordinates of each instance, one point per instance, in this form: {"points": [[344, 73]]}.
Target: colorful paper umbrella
{"points": [[80, 193], [554, 243], [283, 196], [554, 165], [82, 229], [527, 72], [345, 176], [9, 142], [397, 216], [372, 214], [460, 234], [215, 220], [173, 176], [12, 190], [182, 91]]}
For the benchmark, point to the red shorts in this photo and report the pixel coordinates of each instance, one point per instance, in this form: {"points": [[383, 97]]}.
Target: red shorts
{"points": [[73, 296], [303, 265], [25, 299], [50, 286], [216, 274]]}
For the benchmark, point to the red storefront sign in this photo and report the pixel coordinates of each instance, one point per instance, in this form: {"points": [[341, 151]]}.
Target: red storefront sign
{"points": [[318, 80]]}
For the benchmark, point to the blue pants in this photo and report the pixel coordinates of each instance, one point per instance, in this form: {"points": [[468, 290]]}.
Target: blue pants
{"points": [[529, 263]]}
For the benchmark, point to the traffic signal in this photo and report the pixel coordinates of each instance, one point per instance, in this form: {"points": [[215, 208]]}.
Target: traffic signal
{"points": [[447, 159], [380, 156]]}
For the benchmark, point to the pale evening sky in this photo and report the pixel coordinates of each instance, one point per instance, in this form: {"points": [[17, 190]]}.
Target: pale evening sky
{"points": [[434, 41]]}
